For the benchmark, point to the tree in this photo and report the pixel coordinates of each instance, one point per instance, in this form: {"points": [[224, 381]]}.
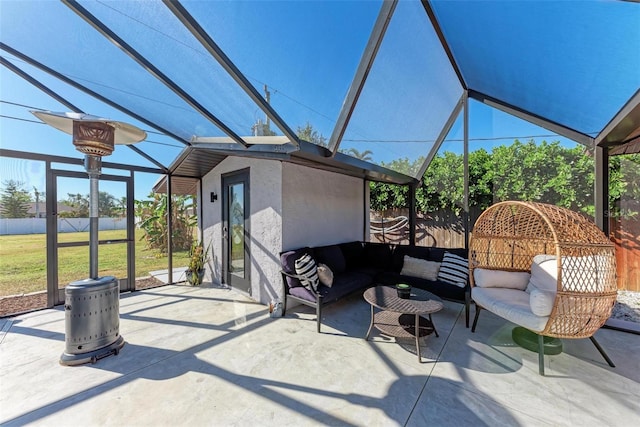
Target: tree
{"points": [[308, 133], [545, 172], [442, 185], [480, 183], [364, 155], [37, 195], [79, 205], [624, 185], [152, 215], [15, 200], [387, 196], [121, 207], [107, 205], [390, 196]]}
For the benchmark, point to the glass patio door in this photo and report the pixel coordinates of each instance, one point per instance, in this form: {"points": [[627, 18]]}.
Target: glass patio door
{"points": [[69, 240], [235, 234]]}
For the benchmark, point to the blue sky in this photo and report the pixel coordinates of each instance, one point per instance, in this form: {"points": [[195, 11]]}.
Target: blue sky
{"points": [[306, 52]]}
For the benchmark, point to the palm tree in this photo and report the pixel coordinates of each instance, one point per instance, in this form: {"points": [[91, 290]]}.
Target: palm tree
{"points": [[121, 207], [365, 155]]}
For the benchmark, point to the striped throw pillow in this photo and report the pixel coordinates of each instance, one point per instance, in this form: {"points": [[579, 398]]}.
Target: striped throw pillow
{"points": [[308, 272], [454, 269]]}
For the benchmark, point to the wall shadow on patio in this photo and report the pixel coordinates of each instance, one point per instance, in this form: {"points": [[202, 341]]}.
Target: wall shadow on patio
{"points": [[191, 364], [451, 405], [139, 362], [15, 328]]}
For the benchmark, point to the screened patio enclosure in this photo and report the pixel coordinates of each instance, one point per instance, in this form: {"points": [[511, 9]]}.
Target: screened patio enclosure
{"points": [[372, 90]]}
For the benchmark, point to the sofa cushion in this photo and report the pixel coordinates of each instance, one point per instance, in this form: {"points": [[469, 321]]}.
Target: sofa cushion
{"points": [[343, 284], [436, 287], [307, 270], [305, 294], [287, 262], [486, 278], [437, 254], [351, 280], [542, 302], [369, 271], [454, 269], [510, 304], [400, 251], [544, 273], [331, 256], [377, 255], [353, 253], [422, 268], [325, 275]]}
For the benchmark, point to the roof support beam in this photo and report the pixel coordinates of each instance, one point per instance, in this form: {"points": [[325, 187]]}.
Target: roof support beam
{"points": [[466, 177], [443, 41], [443, 134], [623, 124], [573, 134], [264, 149], [248, 154], [88, 91], [152, 69], [360, 77], [207, 42], [148, 157], [39, 85], [72, 160], [601, 188], [67, 104], [413, 186]]}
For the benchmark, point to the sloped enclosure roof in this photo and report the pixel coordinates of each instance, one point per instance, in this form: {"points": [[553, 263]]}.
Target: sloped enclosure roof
{"points": [[383, 77]]}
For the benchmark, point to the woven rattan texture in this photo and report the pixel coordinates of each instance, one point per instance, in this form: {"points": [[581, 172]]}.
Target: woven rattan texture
{"points": [[401, 325], [386, 298], [509, 234]]}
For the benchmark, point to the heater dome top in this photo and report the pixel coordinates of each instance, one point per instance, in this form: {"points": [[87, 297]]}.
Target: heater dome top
{"points": [[124, 133]]}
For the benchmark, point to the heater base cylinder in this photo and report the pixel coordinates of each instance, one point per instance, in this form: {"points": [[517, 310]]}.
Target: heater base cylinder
{"points": [[92, 320], [93, 356]]}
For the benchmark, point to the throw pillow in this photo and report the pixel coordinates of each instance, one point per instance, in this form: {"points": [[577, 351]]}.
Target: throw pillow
{"points": [[308, 272], [541, 302], [485, 278], [416, 267], [544, 273], [454, 269], [325, 274]]}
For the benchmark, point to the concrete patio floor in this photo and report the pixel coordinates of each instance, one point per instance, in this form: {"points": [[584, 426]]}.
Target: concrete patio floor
{"points": [[210, 356]]}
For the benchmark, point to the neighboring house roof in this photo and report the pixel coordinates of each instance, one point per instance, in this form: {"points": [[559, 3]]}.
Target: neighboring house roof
{"points": [[42, 208]]}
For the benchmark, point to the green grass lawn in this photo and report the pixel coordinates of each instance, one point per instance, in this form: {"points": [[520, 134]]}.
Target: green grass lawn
{"points": [[23, 260]]}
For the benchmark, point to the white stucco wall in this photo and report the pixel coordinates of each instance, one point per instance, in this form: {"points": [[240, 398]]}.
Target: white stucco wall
{"points": [[265, 184], [291, 206], [320, 207]]}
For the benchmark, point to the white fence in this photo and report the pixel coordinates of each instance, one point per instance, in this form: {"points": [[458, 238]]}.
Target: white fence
{"points": [[65, 225]]}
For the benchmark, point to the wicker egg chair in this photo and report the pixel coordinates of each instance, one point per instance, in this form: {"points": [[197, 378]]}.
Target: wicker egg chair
{"points": [[509, 234]]}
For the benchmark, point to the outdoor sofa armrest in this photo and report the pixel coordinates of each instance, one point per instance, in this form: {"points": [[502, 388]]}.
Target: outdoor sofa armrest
{"points": [[299, 277], [317, 305]]}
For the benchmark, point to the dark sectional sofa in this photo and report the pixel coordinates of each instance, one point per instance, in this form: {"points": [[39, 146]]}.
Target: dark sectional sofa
{"points": [[357, 266]]}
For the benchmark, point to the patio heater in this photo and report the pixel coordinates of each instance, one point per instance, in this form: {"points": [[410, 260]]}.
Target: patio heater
{"points": [[92, 308]]}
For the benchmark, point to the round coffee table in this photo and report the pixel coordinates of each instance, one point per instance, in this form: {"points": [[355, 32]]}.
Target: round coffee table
{"points": [[402, 318]]}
